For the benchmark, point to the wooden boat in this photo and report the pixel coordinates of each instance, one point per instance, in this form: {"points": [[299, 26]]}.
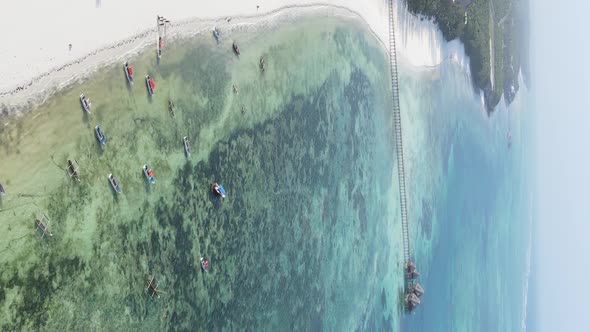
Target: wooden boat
{"points": [[262, 64], [161, 22], [114, 183], [42, 223], [218, 189], [236, 49], [187, 147], [72, 169], [171, 107], [216, 34], [128, 72], [152, 287], [151, 84], [102, 139], [86, 104], [149, 174], [204, 264], [160, 46]]}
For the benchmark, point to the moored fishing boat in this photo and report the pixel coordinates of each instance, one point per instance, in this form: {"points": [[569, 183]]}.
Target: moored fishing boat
{"points": [[204, 264], [187, 147], [86, 104], [72, 169], [236, 48], [114, 183], [171, 107], [102, 139], [149, 174], [262, 64], [160, 46], [151, 84], [218, 189], [128, 72], [216, 34]]}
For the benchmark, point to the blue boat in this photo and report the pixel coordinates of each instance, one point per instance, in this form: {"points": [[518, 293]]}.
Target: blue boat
{"points": [[102, 139], [218, 189]]}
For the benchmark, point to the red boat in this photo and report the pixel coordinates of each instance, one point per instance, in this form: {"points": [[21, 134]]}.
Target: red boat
{"points": [[128, 72], [204, 264], [151, 84]]}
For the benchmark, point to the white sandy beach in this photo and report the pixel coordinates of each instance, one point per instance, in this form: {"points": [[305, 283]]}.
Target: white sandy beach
{"points": [[101, 31]]}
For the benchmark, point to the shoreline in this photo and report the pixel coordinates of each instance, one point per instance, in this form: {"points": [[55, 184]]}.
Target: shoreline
{"points": [[421, 45], [21, 97]]}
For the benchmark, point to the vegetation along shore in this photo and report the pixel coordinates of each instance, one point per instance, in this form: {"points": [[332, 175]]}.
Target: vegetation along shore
{"points": [[495, 35]]}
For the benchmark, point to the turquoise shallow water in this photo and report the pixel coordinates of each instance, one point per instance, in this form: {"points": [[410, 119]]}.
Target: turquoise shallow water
{"points": [[305, 239], [471, 202], [309, 236]]}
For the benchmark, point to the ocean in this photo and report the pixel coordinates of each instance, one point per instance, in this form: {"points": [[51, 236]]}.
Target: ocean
{"points": [[470, 199], [309, 236]]}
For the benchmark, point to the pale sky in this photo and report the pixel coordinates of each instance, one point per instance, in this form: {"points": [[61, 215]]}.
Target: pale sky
{"points": [[561, 85]]}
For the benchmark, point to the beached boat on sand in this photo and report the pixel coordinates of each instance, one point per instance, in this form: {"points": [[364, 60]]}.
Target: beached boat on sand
{"points": [[160, 46], [128, 72], [218, 189], [187, 147], [236, 48], [102, 139], [86, 104], [149, 174], [151, 84], [114, 183]]}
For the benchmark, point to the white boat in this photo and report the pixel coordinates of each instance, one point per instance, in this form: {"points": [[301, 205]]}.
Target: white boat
{"points": [[187, 147], [86, 104], [114, 183]]}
